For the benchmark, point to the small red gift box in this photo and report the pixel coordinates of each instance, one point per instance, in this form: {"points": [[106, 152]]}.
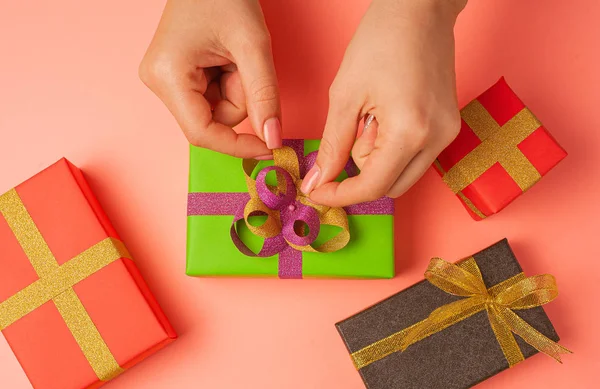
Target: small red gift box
{"points": [[73, 306], [501, 151]]}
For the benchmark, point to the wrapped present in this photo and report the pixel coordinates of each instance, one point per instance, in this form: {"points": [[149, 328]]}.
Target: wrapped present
{"points": [[229, 198], [501, 151], [73, 306], [457, 328]]}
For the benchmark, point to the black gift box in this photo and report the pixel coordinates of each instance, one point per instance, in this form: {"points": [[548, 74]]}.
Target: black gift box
{"points": [[457, 357]]}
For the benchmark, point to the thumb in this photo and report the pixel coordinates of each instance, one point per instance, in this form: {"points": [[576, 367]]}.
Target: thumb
{"points": [[338, 138], [257, 72]]}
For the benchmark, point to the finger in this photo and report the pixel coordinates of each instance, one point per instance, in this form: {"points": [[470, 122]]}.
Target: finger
{"points": [[203, 131], [227, 113], [380, 171], [211, 73], [338, 138], [232, 90], [418, 166], [259, 81], [412, 173], [365, 143], [213, 93], [180, 89], [206, 82], [193, 113], [199, 80], [226, 98]]}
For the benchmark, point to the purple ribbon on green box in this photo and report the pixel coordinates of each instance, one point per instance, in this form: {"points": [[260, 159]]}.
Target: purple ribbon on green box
{"points": [[292, 222]]}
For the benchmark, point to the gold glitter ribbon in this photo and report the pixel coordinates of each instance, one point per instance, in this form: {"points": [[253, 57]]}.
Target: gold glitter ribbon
{"points": [[500, 301], [498, 145], [287, 159], [56, 283]]}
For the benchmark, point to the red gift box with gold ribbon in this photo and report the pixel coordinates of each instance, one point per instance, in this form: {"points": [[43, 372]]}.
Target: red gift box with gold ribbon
{"points": [[73, 305], [502, 150]]}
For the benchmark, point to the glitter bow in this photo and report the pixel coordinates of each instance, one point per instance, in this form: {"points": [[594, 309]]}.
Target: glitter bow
{"points": [[292, 219]]}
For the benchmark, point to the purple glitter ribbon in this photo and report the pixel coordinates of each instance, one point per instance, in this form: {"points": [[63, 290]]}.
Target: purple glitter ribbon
{"points": [[291, 210]]}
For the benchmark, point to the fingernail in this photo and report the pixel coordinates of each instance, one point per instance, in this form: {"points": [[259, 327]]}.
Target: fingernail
{"points": [[264, 157], [272, 133], [368, 123], [310, 180]]}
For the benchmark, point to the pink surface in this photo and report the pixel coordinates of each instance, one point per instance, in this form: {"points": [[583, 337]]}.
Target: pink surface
{"points": [[68, 87]]}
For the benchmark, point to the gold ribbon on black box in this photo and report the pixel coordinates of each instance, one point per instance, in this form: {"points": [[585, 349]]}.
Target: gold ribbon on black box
{"points": [[500, 301]]}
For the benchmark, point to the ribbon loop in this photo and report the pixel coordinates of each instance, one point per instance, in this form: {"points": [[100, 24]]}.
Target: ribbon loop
{"points": [[270, 199], [528, 293], [291, 217], [270, 228], [309, 220], [453, 279]]}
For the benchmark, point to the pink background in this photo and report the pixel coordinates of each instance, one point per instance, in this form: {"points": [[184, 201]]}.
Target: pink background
{"points": [[69, 87]]}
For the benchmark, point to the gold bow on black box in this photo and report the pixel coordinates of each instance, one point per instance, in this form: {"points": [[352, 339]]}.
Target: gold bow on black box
{"points": [[500, 301]]}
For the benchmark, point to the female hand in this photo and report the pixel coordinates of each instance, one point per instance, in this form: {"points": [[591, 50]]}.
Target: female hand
{"points": [[211, 63], [399, 67]]}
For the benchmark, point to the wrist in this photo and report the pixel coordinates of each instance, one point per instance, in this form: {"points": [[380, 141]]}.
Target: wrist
{"points": [[447, 10], [455, 6]]}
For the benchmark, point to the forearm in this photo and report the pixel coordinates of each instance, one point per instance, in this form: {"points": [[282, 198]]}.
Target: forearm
{"points": [[422, 10]]}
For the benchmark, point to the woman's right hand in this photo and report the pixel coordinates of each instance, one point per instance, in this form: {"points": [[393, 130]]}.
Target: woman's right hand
{"points": [[211, 64]]}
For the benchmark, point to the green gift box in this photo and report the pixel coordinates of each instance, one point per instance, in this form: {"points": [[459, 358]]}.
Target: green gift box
{"points": [[218, 191]]}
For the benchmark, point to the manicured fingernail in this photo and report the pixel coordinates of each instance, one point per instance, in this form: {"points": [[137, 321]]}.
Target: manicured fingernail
{"points": [[310, 180], [368, 123], [272, 133], [369, 120], [264, 157]]}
